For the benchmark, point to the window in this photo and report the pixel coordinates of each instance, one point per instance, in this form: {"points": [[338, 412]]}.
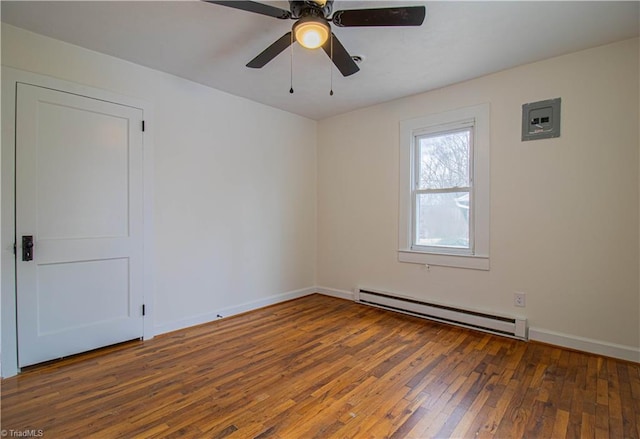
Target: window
{"points": [[444, 198], [442, 191]]}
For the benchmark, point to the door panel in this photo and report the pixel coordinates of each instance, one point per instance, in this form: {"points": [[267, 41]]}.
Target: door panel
{"points": [[72, 288], [79, 193], [67, 203]]}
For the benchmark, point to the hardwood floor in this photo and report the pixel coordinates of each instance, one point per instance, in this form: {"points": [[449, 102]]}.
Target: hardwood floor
{"points": [[320, 367]]}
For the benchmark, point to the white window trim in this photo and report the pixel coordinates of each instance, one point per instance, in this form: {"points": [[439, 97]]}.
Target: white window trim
{"points": [[409, 129]]}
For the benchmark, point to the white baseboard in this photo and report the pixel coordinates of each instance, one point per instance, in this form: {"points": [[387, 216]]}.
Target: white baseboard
{"points": [[341, 294], [232, 310], [598, 347]]}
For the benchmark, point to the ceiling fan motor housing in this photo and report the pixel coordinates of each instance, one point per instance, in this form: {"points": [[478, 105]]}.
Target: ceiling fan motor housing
{"points": [[310, 8], [312, 28]]}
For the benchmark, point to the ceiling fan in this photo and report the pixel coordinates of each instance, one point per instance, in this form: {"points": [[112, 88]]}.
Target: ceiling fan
{"points": [[313, 30]]}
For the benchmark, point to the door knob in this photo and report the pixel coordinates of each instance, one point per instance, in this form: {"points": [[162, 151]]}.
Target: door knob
{"points": [[27, 248]]}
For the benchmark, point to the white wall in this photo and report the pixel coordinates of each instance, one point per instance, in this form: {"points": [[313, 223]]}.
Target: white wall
{"points": [[234, 182], [564, 212]]}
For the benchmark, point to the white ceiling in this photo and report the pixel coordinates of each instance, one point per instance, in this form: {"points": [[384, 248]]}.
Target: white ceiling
{"points": [[210, 44]]}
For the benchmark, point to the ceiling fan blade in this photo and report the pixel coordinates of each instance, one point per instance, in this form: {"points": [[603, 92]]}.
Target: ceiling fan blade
{"points": [[402, 16], [341, 57], [258, 8], [271, 52]]}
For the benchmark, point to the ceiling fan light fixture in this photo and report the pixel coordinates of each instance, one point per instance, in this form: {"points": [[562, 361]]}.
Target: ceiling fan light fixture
{"points": [[311, 32]]}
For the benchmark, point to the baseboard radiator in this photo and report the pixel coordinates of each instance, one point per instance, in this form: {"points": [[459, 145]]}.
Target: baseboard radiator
{"points": [[501, 325]]}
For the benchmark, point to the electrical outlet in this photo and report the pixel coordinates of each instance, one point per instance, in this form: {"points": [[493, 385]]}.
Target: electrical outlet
{"points": [[520, 299]]}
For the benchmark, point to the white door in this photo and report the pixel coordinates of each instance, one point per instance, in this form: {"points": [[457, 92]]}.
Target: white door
{"points": [[79, 194]]}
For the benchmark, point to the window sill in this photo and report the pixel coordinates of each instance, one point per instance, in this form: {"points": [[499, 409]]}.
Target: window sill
{"points": [[439, 259]]}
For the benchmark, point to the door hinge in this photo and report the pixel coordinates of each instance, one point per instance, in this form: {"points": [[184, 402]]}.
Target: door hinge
{"points": [[15, 248], [143, 126], [143, 310]]}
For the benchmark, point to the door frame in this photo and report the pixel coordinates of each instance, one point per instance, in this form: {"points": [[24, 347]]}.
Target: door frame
{"points": [[8, 293]]}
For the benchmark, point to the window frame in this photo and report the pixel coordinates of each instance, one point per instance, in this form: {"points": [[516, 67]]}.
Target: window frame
{"points": [[477, 255]]}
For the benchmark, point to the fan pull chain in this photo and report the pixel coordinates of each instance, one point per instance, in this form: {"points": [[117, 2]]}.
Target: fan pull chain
{"points": [[331, 65], [291, 89]]}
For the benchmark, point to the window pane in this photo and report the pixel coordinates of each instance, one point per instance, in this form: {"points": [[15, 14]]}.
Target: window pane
{"points": [[442, 220], [444, 160]]}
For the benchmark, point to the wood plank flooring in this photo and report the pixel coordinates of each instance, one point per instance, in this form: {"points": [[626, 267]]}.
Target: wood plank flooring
{"points": [[319, 367]]}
